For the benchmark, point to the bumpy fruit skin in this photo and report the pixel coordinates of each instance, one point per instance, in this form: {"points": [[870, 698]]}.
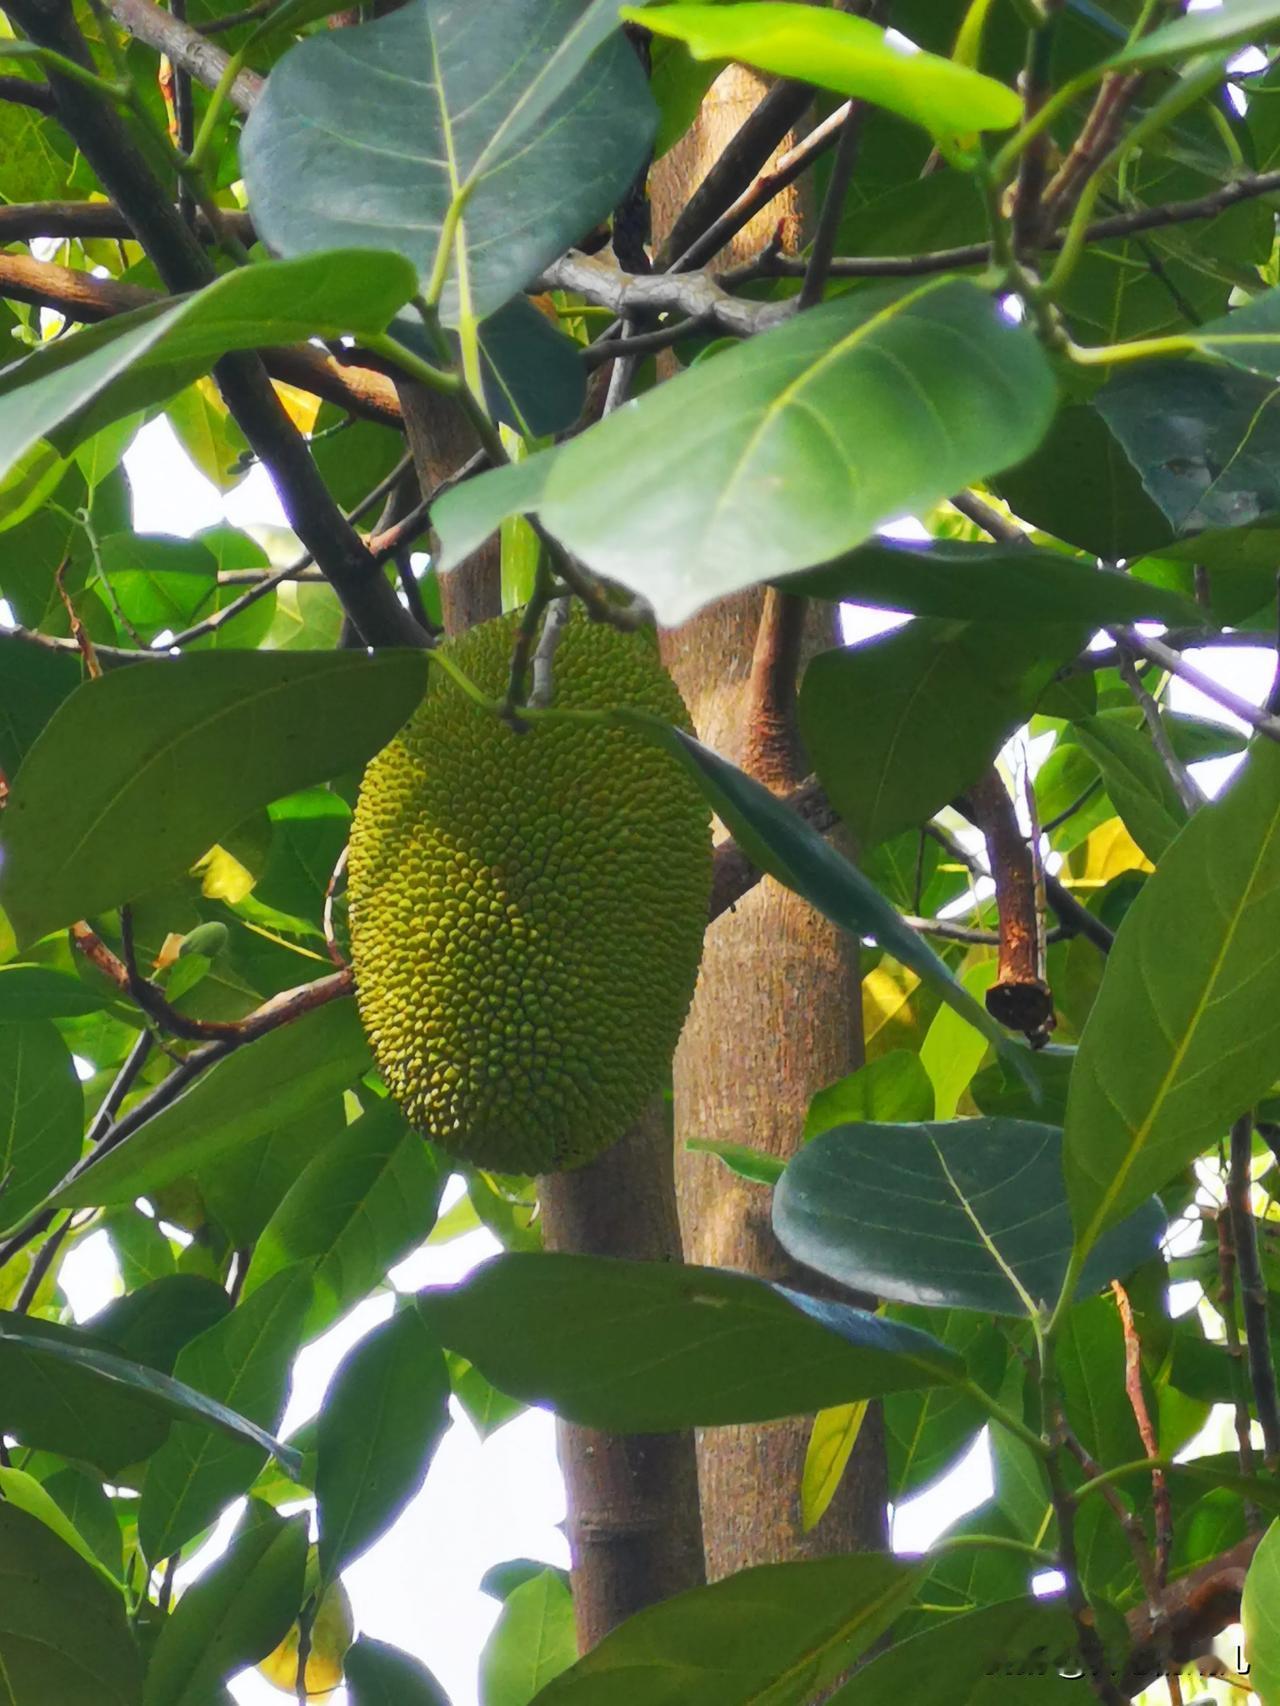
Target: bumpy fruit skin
{"points": [[527, 909]]}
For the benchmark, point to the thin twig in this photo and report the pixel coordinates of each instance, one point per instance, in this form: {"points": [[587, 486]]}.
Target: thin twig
{"points": [[828, 228], [1253, 1287], [1227, 1309], [553, 627], [1162, 1505], [1187, 788], [43, 1261], [1155, 651]]}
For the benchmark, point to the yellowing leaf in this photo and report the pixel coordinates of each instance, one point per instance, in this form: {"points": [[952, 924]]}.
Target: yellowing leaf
{"points": [[831, 1441], [1109, 852], [331, 1635], [208, 434], [223, 877], [300, 406]]}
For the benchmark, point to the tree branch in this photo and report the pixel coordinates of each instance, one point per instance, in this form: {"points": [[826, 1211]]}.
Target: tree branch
{"points": [[23, 92], [1253, 1288], [185, 47], [1019, 998]]}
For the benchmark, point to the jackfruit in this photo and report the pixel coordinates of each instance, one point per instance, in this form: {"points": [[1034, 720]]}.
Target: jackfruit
{"points": [[527, 908]]}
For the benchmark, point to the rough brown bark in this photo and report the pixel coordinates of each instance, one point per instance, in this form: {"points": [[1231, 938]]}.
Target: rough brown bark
{"points": [[778, 1013], [635, 1534]]}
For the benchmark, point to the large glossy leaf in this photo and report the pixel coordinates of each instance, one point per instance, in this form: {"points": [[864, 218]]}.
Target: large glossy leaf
{"points": [[33, 683], [533, 1641], [63, 1391], [786, 450], [1015, 584], [41, 1115], [776, 1633], [1011, 1650], [968, 1214], [243, 1361], [524, 112], [138, 358], [1207, 31], [233, 1615], [1260, 1614], [380, 1675], [1184, 1033], [365, 1201], [658, 1346], [781, 843], [383, 1417], [1205, 440], [927, 1431], [254, 1091], [1137, 780], [897, 727], [42, 992], [63, 1632], [139, 772], [847, 54]]}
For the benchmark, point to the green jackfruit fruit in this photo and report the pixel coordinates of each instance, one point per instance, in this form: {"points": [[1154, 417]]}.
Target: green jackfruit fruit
{"points": [[527, 908]]}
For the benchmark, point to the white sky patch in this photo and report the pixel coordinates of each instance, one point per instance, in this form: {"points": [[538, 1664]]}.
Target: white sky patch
{"points": [[919, 1520]]}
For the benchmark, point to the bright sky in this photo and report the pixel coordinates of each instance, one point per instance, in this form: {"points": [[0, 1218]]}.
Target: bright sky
{"points": [[482, 1503]]}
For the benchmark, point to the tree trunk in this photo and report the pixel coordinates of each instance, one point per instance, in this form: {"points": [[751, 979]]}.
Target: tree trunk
{"points": [[777, 1014]]}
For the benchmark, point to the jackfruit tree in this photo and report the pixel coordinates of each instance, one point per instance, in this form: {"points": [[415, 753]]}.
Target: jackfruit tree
{"points": [[747, 786]]}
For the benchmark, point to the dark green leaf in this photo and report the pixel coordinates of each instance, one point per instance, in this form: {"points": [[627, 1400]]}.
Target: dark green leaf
{"points": [[847, 54], [242, 1361], [500, 1581], [1204, 439], [63, 1632], [659, 1346], [233, 1615], [1137, 780], [1184, 1032], [878, 403], [64, 1392], [1022, 584], [1211, 31], [253, 1092], [33, 683], [533, 1641], [152, 1323], [900, 725], [365, 1201], [41, 1115], [1010, 1650], [83, 1500], [777, 1632], [1260, 1614], [140, 357], [1089, 1358], [926, 1431], [139, 772], [42, 992], [527, 111], [379, 1675], [383, 1417], [968, 1214]]}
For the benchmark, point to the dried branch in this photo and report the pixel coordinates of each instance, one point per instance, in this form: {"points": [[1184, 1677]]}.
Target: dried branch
{"points": [[185, 47], [694, 295], [1162, 1504], [1020, 997]]}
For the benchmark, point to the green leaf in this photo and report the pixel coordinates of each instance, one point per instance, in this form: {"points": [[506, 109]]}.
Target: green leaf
{"points": [[658, 1346], [365, 1201], [139, 772], [42, 992], [243, 1361], [41, 1114], [526, 113], [385, 1413], [533, 1641], [256, 1090], [1137, 780], [33, 683], [25, 1493], [379, 1675], [780, 843], [1231, 25], [927, 1431], [952, 1051], [1014, 584], [849, 55], [152, 1323], [892, 1088], [1184, 1032], [896, 727], [787, 449], [83, 1499], [233, 1615], [1089, 1358], [138, 358], [831, 1441], [1012, 1649], [779, 1632], [741, 1158], [63, 1632], [1205, 440], [1260, 1614], [968, 1214]]}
